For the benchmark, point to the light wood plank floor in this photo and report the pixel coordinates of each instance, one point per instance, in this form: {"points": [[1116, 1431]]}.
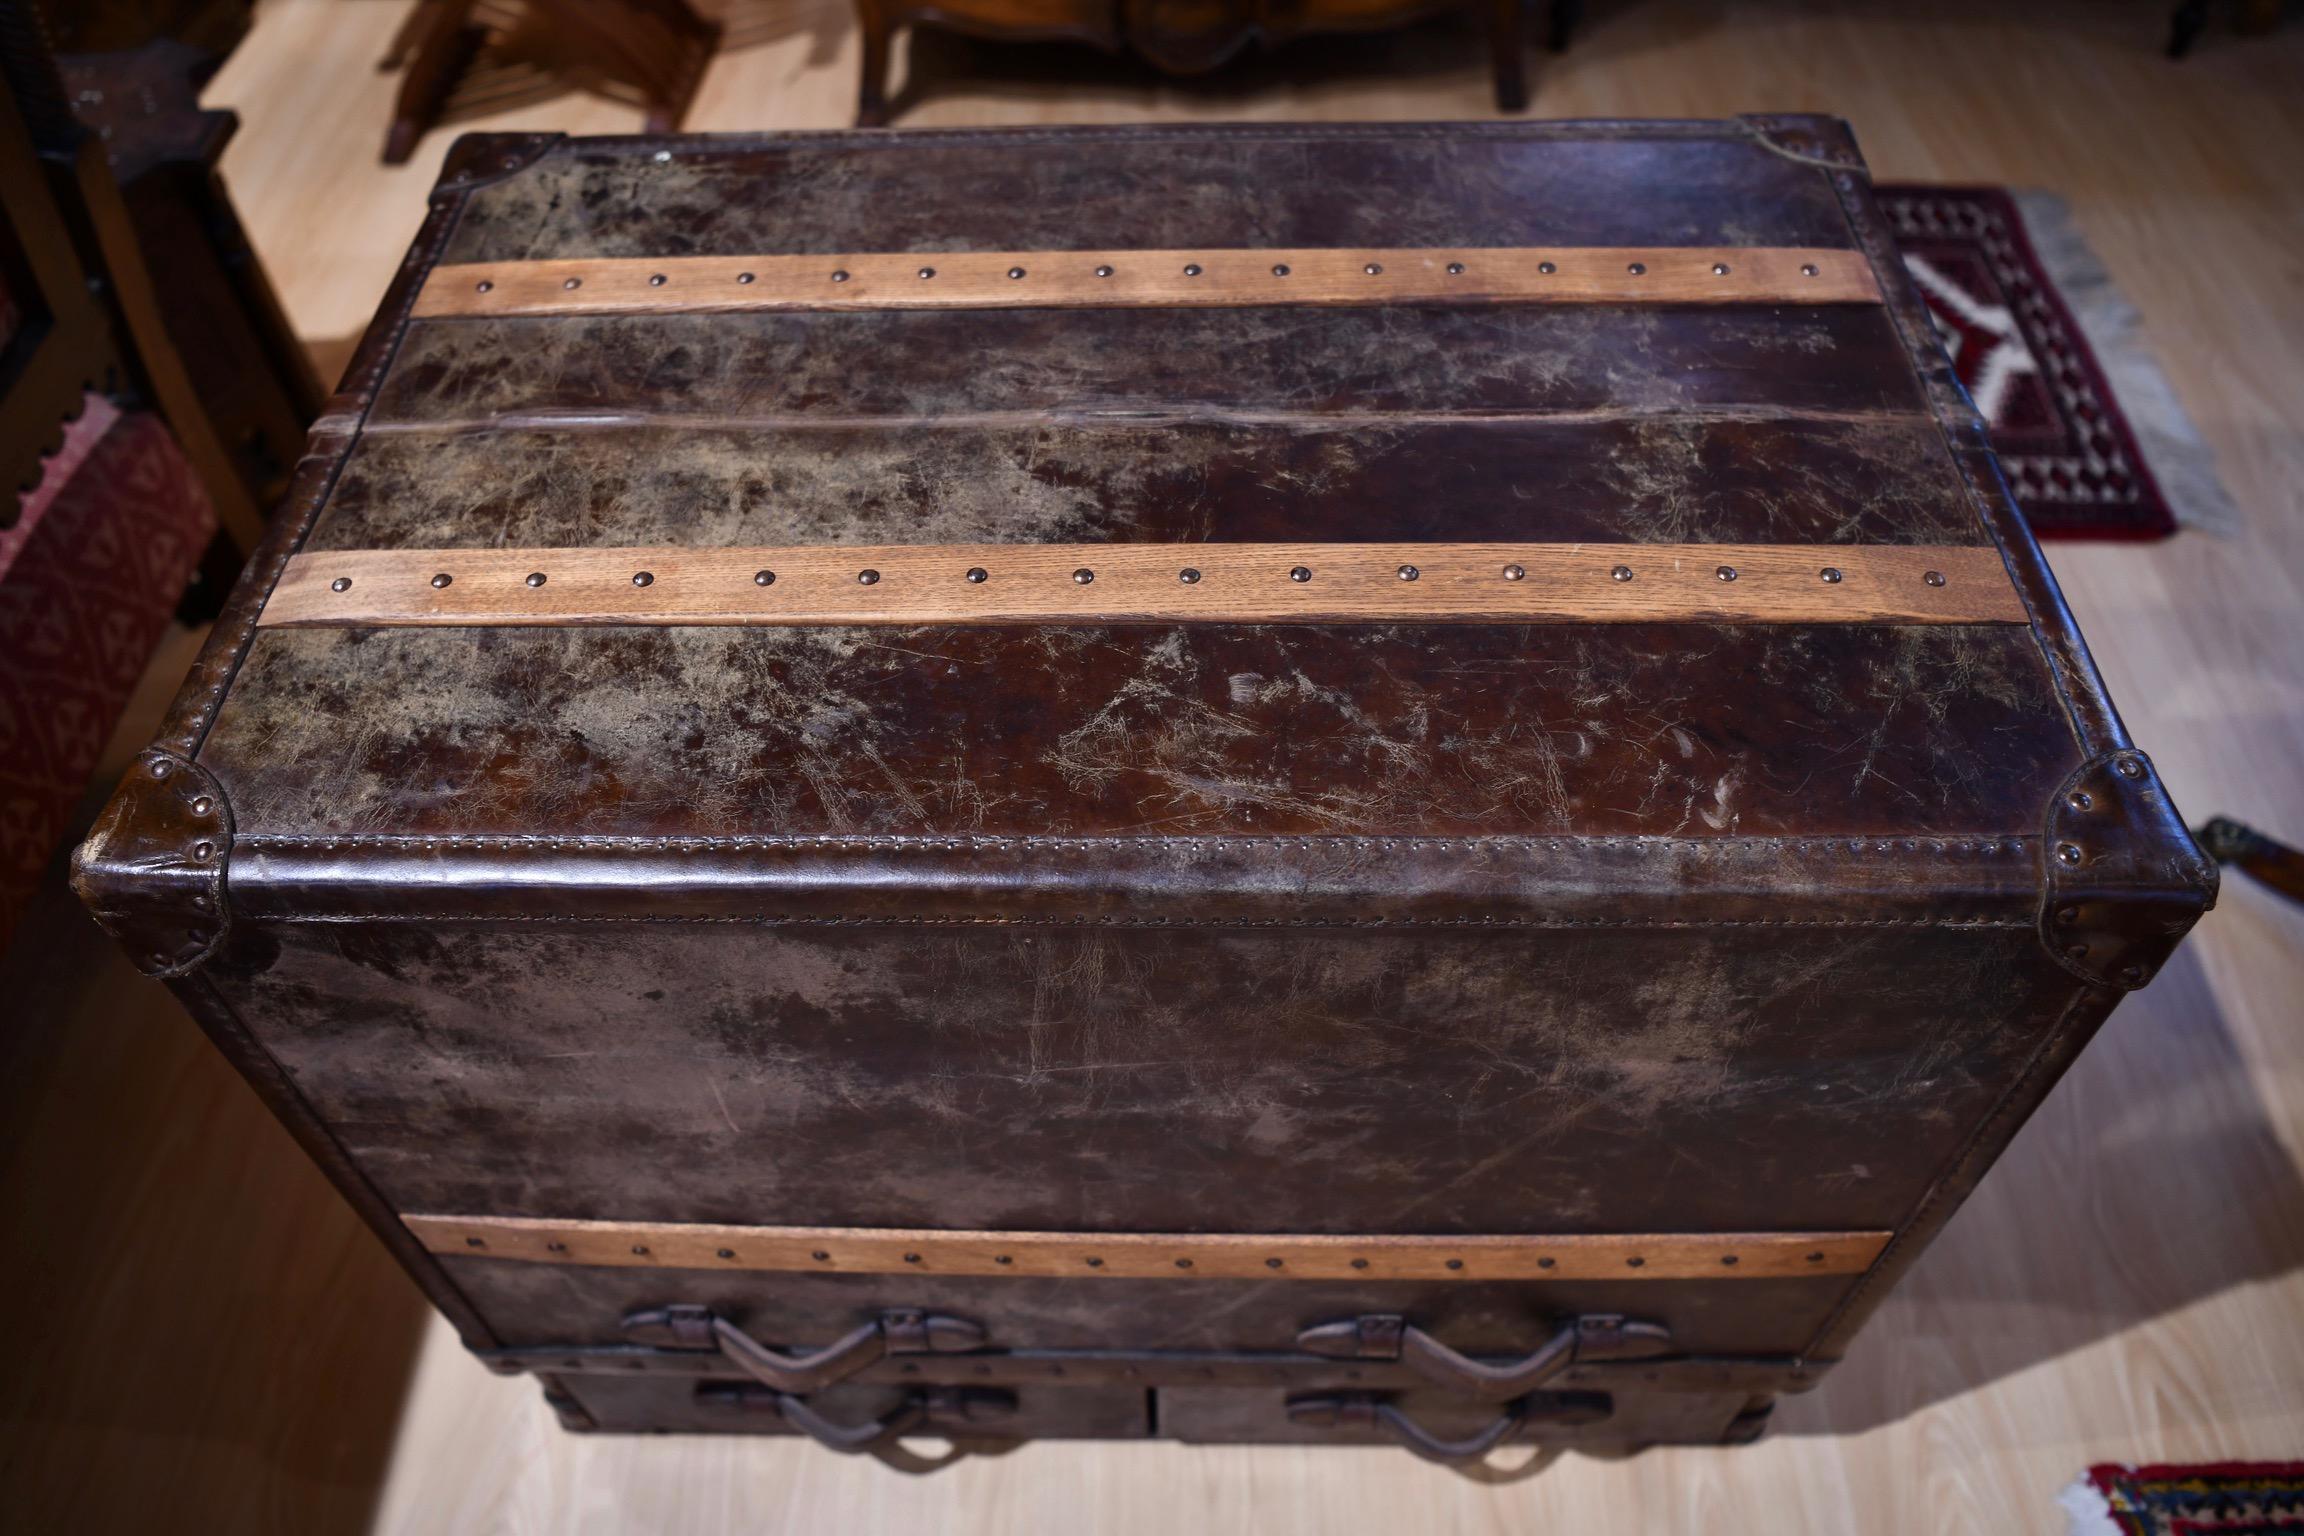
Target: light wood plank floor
{"points": [[202, 1338]]}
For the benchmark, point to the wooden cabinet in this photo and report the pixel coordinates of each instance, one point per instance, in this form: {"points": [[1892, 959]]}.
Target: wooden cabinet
{"points": [[1183, 37]]}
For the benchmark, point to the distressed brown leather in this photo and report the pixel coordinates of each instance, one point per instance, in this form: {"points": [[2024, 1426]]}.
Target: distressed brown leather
{"points": [[1468, 928]]}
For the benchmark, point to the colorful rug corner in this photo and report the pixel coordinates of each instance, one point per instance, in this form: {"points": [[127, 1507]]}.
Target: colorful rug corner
{"points": [[2086, 427], [2223, 1498]]}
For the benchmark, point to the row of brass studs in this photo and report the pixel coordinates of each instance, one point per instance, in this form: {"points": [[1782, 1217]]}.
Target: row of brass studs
{"points": [[824, 1256], [1191, 269], [976, 574]]}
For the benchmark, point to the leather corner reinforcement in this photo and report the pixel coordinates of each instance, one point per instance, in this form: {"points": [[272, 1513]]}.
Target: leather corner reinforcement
{"points": [[2122, 880], [152, 868]]}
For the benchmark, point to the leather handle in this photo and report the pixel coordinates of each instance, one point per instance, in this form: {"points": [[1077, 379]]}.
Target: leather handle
{"points": [[1386, 1336], [932, 1408], [1358, 1408], [903, 1332]]}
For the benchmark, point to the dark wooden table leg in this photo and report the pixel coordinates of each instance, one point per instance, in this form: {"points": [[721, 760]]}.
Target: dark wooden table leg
{"points": [[2250, 851], [436, 57], [872, 88], [1508, 42]]}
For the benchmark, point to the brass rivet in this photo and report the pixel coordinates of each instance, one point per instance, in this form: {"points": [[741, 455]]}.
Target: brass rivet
{"points": [[1635, 1262], [1719, 269], [926, 273], [1374, 269], [1015, 272], [1808, 269], [840, 276], [820, 1256], [657, 280], [1409, 573], [1280, 271], [1544, 1263], [1830, 574], [483, 286], [744, 277], [2075, 951], [763, 578], [977, 573], [1815, 1258], [1083, 575], [2080, 800], [2129, 768], [2068, 853], [1103, 271], [1300, 573], [1094, 1263], [160, 770], [1638, 269], [1359, 1263], [474, 1242], [640, 1248], [727, 1253], [202, 851], [1934, 578], [643, 578], [555, 1246], [442, 579], [1183, 1263], [1272, 1263], [1455, 269], [1001, 1258], [340, 584], [1515, 573], [1191, 269], [1188, 576], [202, 805], [1455, 1263], [574, 282], [2067, 914], [1546, 268], [866, 578], [911, 1258], [2131, 975], [535, 578], [1726, 573], [1621, 573], [1728, 1259]]}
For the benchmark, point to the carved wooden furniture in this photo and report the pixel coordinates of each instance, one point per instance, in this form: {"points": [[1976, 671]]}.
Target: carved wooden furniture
{"points": [[653, 51], [1188, 782], [1180, 36]]}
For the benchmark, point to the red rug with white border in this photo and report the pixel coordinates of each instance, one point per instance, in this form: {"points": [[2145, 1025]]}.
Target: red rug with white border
{"points": [[2025, 310], [2221, 1498]]}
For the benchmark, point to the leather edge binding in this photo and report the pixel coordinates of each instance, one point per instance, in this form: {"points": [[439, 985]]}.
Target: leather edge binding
{"points": [[462, 169], [151, 871], [1817, 139], [2122, 880]]}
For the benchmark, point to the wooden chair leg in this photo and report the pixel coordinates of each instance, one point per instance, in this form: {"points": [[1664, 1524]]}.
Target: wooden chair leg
{"points": [[2274, 863], [1508, 44], [436, 58], [2185, 26], [1562, 24], [872, 86]]}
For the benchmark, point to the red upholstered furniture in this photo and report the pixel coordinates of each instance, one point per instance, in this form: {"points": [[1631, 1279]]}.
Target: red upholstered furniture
{"points": [[88, 578]]}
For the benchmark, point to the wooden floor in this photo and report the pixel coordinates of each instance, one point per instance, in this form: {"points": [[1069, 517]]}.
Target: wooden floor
{"points": [[202, 1338]]}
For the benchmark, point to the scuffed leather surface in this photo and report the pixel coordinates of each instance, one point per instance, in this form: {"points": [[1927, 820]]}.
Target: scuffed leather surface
{"points": [[1467, 730], [1080, 189], [1419, 1080], [1656, 479]]}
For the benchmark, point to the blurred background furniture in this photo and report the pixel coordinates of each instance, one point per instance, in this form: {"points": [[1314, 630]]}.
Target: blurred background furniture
{"points": [[115, 476], [1182, 37], [2191, 19], [649, 51]]}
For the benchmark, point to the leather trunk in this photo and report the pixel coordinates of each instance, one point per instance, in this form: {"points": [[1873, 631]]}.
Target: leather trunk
{"points": [[1626, 836]]}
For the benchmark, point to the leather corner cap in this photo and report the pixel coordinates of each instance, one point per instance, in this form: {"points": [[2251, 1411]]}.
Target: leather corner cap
{"points": [[152, 869], [2122, 880]]}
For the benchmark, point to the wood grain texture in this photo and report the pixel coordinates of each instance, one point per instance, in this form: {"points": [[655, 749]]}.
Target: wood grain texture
{"points": [[1155, 279], [1151, 583], [239, 1380], [1153, 1255]]}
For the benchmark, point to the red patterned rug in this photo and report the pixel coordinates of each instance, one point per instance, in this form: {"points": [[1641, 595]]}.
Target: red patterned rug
{"points": [[2025, 312], [2223, 1498]]}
